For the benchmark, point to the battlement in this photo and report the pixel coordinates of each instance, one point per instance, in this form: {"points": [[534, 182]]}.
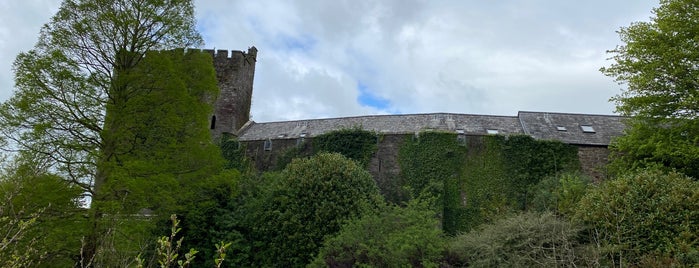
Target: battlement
{"points": [[235, 72], [222, 55]]}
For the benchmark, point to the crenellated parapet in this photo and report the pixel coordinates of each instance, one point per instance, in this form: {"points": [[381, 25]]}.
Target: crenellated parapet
{"points": [[235, 73]]}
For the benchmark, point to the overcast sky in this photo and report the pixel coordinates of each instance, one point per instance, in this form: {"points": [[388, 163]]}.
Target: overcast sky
{"points": [[321, 59]]}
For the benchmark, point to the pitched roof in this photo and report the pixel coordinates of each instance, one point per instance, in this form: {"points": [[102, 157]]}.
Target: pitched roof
{"points": [[584, 129], [386, 124], [539, 125]]}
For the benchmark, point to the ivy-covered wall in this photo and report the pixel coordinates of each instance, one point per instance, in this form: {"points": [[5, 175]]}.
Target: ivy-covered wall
{"points": [[477, 177], [474, 178]]}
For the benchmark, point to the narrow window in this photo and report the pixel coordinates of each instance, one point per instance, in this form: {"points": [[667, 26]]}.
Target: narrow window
{"points": [[268, 145], [213, 122]]}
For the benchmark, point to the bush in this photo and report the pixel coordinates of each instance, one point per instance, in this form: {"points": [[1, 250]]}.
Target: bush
{"points": [[524, 240], [560, 194], [645, 217], [394, 237], [314, 197]]}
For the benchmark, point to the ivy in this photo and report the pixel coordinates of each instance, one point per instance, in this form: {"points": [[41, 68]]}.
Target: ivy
{"points": [[430, 166], [234, 153], [356, 144], [477, 178]]}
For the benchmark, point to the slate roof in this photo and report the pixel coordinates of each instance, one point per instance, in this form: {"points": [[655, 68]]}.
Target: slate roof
{"points": [[568, 128], [539, 125], [385, 124]]}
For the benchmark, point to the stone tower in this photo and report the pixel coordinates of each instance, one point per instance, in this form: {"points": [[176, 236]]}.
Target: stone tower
{"points": [[235, 74]]}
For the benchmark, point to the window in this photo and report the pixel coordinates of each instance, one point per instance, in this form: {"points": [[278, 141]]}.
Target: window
{"points": [[268, 145], [561, 128], [491, 131], [302, 135], [460, 131], [587, 128], [213, 122], [281, 136]]}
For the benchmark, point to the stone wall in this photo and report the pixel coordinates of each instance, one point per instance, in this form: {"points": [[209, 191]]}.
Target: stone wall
{"points": [[384, 165], [235, 74], [593, 160]]}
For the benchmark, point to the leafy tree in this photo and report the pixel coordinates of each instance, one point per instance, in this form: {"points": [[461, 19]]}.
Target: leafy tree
{"points": [[41, 221], [314, 197], [650, 213], [393, 237], [77, 87], [658, 63]]}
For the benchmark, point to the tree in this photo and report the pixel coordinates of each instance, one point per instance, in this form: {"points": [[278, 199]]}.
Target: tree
{"points": [[659, 63], [86, 70], [40, 217], [312, 199]]}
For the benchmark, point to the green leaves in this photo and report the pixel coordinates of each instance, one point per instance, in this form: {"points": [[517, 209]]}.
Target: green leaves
{"points": [[313, 198], [659, 63], [645, 213]]}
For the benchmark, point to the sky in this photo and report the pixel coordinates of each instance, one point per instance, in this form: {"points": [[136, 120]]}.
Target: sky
{"points": [[321, 59]]}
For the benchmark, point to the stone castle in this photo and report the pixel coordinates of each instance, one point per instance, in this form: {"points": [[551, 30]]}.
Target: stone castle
{"points": [[591, 134]]}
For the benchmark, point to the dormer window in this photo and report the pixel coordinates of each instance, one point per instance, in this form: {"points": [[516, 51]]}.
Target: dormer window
{"points": [[492, 131], [587, 128], [561, 128]]}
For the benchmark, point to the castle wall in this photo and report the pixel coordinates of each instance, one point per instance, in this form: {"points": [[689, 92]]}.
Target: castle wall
{"points": [[235, 74], [593, 160], [384, 166]]}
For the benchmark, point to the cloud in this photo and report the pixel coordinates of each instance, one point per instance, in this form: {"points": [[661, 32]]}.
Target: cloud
{"points": [[19, 29], [354, 57]]}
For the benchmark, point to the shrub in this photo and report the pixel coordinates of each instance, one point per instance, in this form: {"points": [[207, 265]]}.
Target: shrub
{"points": [[560, 194], [312, 199], [393, 237], [523, 240], [644, 216]]}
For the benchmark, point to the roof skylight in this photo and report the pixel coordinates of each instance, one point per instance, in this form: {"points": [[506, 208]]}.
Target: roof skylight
{"points": [[492, 131], [587, 128], [561, 128]]}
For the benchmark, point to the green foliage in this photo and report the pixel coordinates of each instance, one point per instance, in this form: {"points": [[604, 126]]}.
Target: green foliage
{"points": [[207, 215], [646, 213], [658, 63], [91, 104], [560, 193], [485, 183], [523, 240], [430, 166], [429, 160], [393, 237], [482, 177], [355, 144], [301, 150], [311, 200], [671, 144], [40, 217], [527, 161], [234, 154]]}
